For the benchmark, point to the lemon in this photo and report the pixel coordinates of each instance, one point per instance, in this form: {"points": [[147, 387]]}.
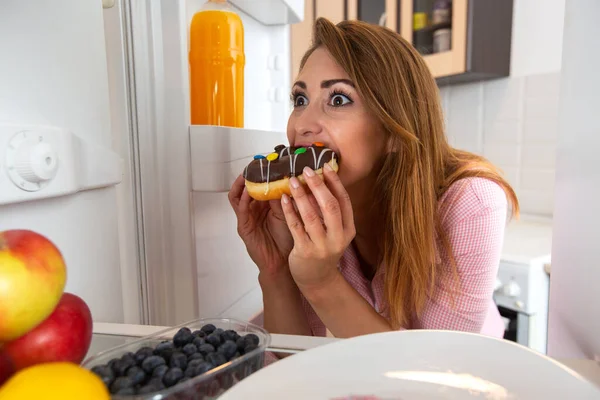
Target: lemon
{"points": [[54, 381]]}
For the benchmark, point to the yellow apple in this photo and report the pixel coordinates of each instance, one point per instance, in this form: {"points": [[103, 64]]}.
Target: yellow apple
{"points": [[32, 280]]}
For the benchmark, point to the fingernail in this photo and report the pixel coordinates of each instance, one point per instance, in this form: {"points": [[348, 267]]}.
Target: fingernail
{"points": [[309, 172], [328, 167], [285, 198], [294, 182]]}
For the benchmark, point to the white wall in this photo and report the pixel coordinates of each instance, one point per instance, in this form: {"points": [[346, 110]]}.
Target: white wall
{"points": [[574, 322], [513, 121]]}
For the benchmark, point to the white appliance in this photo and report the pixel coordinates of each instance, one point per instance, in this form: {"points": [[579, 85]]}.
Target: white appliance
{"points": [[97, 152], [523, 283], [574, 321]]}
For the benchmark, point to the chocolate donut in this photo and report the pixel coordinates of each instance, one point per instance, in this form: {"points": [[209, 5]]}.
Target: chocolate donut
{"points": [[267, 177]]}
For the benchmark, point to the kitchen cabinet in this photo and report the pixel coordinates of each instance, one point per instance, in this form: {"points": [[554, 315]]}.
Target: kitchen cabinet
{"points": [[477, 43], [460, 40], [379, 12]]}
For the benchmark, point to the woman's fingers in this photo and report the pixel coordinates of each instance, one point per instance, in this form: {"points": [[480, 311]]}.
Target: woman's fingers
{"points": [[315, 204], [293, 221], [339, 191], [236, 192], [328, 203], [277, 209], [309, 214]]}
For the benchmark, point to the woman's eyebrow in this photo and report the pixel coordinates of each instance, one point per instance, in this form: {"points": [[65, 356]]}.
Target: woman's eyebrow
{"points": [[326, 83], [330, 82], [300, 83]]}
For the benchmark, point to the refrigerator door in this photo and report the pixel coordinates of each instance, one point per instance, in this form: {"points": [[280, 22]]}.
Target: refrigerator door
{"points": [[574, 320], [196, 265], [58, 167]]}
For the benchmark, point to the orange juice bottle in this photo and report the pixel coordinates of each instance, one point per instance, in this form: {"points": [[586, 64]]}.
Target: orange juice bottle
{"points": [[217, 63]]}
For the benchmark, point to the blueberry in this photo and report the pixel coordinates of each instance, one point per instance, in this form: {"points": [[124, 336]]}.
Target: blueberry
{"points": [[157, 383], [219, 331], [167, 344], [152, 362], [167, 354], [241, 344], [214, 339], [230, 335], [228, 349], [128, 360], [189, 349], [172, 376], [249, 348], [160, 371], [204, 367], [208, 328], [198, 342], [136, 374], [199, 334], [126, 391], [112, 363], [216, 359], [183, 337], [206, 349], [142, 353], [252, 338], [121, 382], [105, 373], [120, 367], [178, 360], [198, 369], [236, 355], [194, 363], [195, 356]]}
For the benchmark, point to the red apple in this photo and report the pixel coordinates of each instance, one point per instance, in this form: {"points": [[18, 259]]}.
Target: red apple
{"points": [[32, 280], [65, 335], [6, 368]]}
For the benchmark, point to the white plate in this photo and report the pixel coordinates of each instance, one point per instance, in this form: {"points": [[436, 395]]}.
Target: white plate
{"points": [[416, 364]]}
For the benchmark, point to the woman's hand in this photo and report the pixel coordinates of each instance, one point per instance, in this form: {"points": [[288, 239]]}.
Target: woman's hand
{"points": [[318, 242], [262, 227]]}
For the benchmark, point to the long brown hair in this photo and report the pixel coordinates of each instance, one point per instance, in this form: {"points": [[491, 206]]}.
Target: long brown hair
{"points": [[399, 90]]}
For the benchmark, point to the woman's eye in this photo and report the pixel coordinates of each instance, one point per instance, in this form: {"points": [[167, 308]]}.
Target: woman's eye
{"points": [[300, 101], [339, 100]]}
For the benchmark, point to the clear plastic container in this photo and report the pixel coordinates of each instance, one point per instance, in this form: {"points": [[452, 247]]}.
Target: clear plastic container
{"points": [[206, 386]]}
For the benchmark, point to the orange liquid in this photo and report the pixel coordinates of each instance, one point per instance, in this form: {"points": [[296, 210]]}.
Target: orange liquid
{"points": [[217, 69]]}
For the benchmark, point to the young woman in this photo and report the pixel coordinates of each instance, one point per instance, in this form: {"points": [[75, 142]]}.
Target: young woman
{"points": [[408, 233]]}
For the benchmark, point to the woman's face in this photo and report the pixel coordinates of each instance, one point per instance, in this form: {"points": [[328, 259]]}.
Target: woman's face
{"points": [[328, 109]]}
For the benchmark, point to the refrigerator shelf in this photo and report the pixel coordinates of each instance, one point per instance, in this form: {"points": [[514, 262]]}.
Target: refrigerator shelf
{"points": [[219, 154], [273, 12]]}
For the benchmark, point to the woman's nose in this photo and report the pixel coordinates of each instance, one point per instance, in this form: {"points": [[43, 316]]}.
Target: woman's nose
{"points": [[308, 122]]}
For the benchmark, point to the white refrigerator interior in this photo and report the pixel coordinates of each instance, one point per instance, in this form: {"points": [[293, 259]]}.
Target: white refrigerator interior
{"points": [[574, 321], [135, 197], [57, 169]]}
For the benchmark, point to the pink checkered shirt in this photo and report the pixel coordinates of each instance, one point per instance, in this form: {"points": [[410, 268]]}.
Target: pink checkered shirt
{"points": [[473, 212]]}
